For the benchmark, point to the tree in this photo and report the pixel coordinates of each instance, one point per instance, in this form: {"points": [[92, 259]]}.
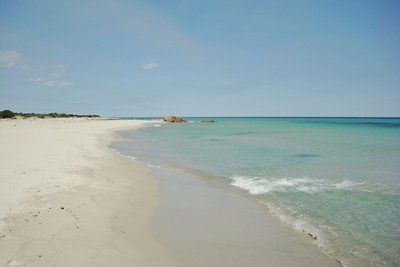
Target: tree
{"points": [[6, 114]]}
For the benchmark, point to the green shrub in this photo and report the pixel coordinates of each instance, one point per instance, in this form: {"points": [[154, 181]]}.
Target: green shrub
{"points": [[7, 114]]}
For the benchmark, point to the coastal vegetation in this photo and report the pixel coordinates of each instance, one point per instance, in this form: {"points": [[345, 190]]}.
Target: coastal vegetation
{"points": [[6, 114]]}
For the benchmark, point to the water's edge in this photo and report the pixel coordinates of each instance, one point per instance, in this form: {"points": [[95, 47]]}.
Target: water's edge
{"points": [[309, 237], [248, 187]]}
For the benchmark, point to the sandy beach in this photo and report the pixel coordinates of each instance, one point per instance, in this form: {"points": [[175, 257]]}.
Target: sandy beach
{"points": [[68, 199]]}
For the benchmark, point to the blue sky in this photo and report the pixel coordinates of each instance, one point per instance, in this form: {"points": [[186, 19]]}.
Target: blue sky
{"points": [[201, 58]]}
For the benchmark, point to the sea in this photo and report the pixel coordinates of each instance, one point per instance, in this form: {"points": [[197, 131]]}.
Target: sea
{"points": [[336, 179]]}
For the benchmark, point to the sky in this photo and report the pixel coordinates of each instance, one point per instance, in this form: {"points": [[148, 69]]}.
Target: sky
{"points": [[201, 58]]}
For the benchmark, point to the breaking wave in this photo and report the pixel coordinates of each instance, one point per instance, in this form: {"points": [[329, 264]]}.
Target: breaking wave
{"points": [[258, 185]]}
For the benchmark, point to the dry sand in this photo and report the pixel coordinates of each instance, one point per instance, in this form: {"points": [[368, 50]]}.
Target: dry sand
{"points": [[66, 199]]}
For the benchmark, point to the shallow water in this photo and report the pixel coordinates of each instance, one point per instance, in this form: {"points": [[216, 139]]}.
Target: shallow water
{"points": [[337, 178]]}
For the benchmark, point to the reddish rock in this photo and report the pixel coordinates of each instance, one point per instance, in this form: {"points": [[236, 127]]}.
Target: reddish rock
{"points": [[174, 119]]}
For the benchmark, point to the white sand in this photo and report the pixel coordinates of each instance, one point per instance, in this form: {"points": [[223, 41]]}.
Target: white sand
{"points": [[66, 199]]}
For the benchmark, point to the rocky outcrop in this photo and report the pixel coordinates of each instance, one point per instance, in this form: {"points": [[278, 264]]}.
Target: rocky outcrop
{"points": [[173, 119]]}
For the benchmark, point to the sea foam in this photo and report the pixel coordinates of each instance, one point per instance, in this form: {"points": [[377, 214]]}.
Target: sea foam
{"points": [[258, 185]]}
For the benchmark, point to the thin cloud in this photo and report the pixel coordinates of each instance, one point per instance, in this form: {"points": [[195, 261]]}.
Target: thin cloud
{"points": [[54, 76], [65, 84], [58, 70], [9, 58], [33, 69], [57, 84], [51, 83], [37, 79], [149, 66]]}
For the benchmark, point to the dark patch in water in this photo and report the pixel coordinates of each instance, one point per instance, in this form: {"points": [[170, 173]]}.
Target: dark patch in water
{"points": [[305, 155], [359, 122], [242, 133], [383, 124], [213, 139]]}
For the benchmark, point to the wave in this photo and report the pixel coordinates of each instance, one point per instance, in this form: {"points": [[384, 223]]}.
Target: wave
{"points": [[258, 185], [130, 157], [124, 155], [153, 166]]}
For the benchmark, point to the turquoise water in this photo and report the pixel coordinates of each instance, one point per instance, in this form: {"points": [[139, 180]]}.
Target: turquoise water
{"points": [[337, 178]]}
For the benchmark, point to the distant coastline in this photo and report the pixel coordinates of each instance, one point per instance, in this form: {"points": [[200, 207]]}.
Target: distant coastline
{"points": [[8, 114]]}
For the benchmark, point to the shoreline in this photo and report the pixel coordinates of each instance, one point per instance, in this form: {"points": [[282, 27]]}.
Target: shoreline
{"points": [[67, 199], [220, 226], [72, 199], [189, 225]]}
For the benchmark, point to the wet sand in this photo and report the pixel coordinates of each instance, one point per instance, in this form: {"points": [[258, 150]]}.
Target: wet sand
{"points": [[206, 225]]}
